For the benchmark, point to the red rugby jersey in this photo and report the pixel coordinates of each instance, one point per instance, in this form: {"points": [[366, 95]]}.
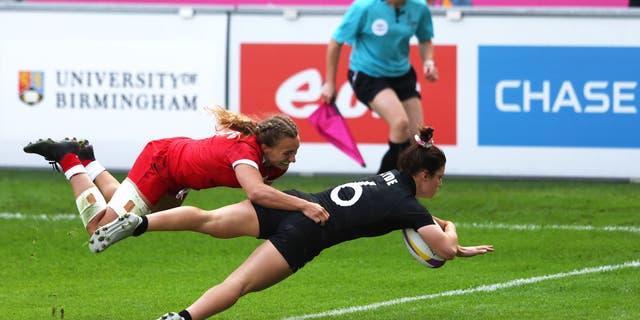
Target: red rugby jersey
{"points": [[209, 162]]}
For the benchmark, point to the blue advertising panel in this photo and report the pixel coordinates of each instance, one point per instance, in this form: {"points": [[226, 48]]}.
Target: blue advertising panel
{"points": [[553, 96]]}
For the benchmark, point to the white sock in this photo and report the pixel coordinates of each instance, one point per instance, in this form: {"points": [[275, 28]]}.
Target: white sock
{"points": [[94, 169], [74, 170]]}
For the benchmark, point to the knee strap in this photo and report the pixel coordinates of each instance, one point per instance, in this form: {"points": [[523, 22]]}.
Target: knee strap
{"points": [[127, 199], [90, 202]]}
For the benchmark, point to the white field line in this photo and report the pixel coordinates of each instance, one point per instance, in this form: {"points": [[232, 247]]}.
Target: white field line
{"points": [[483, 288], [525, 227], [42, 216], [533, 227]]}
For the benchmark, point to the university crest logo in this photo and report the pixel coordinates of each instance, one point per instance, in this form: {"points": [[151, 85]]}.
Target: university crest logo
{"points": [[31, 87]]}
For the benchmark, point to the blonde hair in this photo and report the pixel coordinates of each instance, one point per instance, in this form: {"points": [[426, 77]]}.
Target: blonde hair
{"points": [[268, 131], [234, 121]]}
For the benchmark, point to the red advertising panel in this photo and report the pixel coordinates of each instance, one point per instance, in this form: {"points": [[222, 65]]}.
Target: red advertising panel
{"points": [[287, 78]]}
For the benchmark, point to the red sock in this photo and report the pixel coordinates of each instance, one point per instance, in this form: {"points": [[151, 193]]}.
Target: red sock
{"points": [[71, 165], [69, 161]]}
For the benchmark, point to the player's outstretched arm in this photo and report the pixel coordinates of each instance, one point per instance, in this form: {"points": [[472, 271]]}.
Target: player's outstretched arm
{"points": [[474, 250], [258, 192]]}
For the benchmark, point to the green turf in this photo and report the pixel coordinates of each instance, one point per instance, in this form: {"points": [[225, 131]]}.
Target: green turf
{"points": [[45, 264]]}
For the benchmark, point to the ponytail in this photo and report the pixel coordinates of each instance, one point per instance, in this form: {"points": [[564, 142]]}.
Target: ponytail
{"points": [[268, 131], [234, 121], [422, 154]]}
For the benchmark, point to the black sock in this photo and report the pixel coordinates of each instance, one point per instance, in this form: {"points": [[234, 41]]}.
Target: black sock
{"points": [[142, 228], [185, 314], [390, 158]]}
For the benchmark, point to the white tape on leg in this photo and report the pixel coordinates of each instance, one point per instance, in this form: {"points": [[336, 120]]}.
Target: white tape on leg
{"points": [[90, 202], [128, 199]]}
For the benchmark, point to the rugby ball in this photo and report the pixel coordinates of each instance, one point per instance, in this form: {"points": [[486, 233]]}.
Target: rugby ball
{"points": [[420, 250]]}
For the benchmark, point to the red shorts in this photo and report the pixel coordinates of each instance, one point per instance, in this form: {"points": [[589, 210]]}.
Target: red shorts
{"points": [[150, 172]]}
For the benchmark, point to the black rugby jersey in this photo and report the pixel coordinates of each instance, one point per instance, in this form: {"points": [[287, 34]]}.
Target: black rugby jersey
{"points": [[370, 207]]}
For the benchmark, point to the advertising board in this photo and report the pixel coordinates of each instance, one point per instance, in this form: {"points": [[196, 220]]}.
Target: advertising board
{"points": [[118, 80], [549, 96]]}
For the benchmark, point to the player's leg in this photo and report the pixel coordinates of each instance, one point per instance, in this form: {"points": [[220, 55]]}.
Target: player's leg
{"points": [[106, 183], [235, 220], [231, 221], [48, 148], [89, 200], [122, 217], [405, 88], [140, 192], [264, 268], [413, 109], [167, 201], [143, 190], [390, 108]]}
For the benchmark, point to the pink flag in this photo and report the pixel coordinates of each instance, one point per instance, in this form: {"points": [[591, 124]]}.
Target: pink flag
{"points": [[332, 127]]}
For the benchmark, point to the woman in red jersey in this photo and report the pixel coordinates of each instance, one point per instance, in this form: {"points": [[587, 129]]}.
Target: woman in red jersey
{"points": [[366, 207], [242, 154]]}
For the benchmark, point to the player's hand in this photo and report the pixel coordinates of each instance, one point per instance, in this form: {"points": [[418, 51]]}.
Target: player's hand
{"points": [[441, 223], [316, 213], [473, 251], [329, 92], [430, 72]]}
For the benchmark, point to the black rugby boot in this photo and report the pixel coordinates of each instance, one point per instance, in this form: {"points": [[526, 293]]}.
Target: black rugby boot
{"points": [[86, 151], [53, 151]]}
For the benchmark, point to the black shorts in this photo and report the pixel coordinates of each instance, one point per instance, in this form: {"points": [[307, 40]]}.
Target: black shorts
{"points": [[366, 87], [297, 238]]}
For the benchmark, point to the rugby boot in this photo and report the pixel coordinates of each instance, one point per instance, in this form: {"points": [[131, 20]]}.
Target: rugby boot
{"points": [[171, 316], [114, 231], [53, 151], [86, 151]]}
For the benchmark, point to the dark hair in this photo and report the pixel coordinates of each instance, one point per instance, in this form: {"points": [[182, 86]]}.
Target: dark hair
{"points": [[422, 154], [268, 131]]}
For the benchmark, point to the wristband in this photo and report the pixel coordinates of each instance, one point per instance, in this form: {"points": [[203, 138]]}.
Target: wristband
{"points": [[429, 63]]}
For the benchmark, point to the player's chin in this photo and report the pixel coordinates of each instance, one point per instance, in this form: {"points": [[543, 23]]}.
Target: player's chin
{"points": [[284, 165]]}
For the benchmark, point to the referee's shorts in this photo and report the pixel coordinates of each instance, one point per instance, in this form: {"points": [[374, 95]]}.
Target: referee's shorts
{"points": [[366, 87]]}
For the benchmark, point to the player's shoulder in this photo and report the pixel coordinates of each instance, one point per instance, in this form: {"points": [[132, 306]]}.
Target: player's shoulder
{"points": [[234, 138]]}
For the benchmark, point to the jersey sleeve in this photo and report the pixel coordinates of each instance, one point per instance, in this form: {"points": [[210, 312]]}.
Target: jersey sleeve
{"points": [[424, 31], [242, 152], [348, 29], [418, 217]]}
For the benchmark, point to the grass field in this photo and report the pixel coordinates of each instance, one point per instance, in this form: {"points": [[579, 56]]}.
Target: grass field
{"points": [[564, 250]]}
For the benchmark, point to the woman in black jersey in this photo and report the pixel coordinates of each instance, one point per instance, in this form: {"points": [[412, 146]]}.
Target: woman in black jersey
{"points": [[368, 207]]}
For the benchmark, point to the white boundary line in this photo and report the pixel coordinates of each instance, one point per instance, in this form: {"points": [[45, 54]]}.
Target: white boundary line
{"points": [[526, 227], [42, 216], [533, 227], [483, 288]]}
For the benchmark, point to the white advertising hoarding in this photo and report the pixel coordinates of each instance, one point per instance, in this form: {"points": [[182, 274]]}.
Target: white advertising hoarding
{"points": [[538, 94], [118, 80]]}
